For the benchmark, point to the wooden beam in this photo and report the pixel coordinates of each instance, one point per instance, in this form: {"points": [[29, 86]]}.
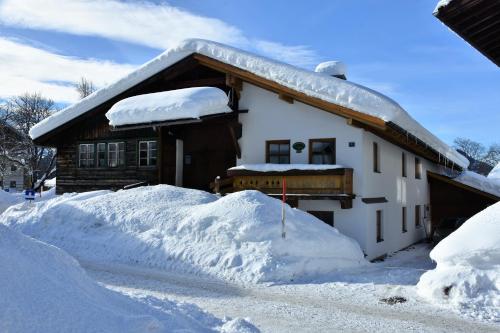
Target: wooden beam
{"points": [[286, 98], [296, 95], [234, 82]]}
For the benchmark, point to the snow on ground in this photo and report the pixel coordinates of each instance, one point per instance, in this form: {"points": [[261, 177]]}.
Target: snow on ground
{"points": [[188, 103], [346, 302], [45, 290], [8, 199], [467, 276], [486, 184], [269, 167], [495, 172], [236, 237], [318, 85]]}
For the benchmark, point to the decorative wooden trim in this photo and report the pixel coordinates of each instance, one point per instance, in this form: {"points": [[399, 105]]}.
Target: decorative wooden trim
{"points": [[292, 172], [374, 200], [269, 142], [432, 175], [323, 140], [286, 98]]}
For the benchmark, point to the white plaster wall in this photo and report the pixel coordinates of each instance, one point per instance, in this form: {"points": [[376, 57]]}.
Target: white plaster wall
{"points": [[398, 190], [270, 118]]}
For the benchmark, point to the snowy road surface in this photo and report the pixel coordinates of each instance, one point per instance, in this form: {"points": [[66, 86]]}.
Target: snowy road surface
{"points": [[351, 303]]}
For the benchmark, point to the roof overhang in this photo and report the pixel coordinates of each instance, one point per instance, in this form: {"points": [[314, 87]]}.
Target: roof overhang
{"points": [[477, 22], [452, 182]]}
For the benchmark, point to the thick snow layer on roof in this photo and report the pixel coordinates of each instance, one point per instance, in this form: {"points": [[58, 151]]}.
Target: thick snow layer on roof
{"points": [[236, 237], [188, 103], [495, 173], [318, 85], [440, 4], [270, 167], [43, 289], [331, 68], [468, 267], [480, 182]]}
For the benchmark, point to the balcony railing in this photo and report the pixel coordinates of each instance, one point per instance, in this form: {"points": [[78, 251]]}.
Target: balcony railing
{"points": [[334, 184]]}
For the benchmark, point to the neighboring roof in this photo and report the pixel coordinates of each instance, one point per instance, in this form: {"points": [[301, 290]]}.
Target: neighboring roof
{"points": [[473, 182], [329, 89], [476, 21], [188, 103], [495, 173]]}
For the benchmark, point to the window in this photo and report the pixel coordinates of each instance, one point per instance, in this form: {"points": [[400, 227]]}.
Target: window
{"points": [[376, 159], [13, 184], [86, 155], [147, 153], [322, 151], [325, 216], [417, 215], [418, 168], [379, 227], [403, 165], [278, 152], [116, 154], [404, 227], [101, 155], [13, 168]]}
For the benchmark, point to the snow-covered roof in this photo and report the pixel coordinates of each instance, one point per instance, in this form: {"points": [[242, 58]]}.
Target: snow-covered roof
{"points": [[441, 4], [479, 182], [317, 85], [188, 103], [331, 68], [495, 173], [270, 167]]}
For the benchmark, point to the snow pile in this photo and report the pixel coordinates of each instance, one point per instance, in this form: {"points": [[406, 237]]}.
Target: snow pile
{"points": [[332, 68], [467, 276], [318, 85], [486, 184], [441, 4], [45, 290], [270, 167], [236, 237], [495, 173], [7, 199], [189, 103], [50, 182]]}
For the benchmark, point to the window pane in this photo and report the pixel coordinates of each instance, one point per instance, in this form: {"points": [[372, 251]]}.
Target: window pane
{"points": [[143, 145], [152, 144], [284, 148], [143, 154], [284, 160], [274, 148], [317, 159], [143, 162], [274, 159]]}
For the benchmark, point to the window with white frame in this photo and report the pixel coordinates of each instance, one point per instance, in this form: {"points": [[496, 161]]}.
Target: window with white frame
{"points": [[116, 154], [101, 155], [86, 155], [147, 153]]}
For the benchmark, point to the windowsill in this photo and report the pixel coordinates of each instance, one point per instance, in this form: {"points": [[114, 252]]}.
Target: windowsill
{"points": [[380, 240], [405, 231], [418, 226], [377, 171]]}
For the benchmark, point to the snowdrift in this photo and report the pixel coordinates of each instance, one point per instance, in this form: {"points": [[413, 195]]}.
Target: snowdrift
{"points": [[8, 199], [467, 276], [236, 237], [45, 290]]}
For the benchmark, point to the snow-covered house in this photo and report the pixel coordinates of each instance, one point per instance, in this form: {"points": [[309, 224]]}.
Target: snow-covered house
{"points": [[208, 116]]}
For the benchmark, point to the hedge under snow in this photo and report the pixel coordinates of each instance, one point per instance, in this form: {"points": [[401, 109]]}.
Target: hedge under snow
{"points": [[43, 289], [236, 237], [467, 276]]}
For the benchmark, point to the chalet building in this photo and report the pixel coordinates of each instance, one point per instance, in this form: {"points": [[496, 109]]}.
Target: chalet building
{"points": [[207, 116]]}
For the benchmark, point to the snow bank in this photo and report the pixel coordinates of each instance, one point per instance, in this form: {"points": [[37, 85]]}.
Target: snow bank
{"points": [[189, 103], [486, 184], [270, 167], [236, 237], [8, 199], [495, 173], [327, 88], [45, 290], [468, 267]]}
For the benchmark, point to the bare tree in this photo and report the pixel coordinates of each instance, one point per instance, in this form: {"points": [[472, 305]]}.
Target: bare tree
{"points": [[472, 149], [85, 87], [481, 160], [492, 157], [18, 115]]}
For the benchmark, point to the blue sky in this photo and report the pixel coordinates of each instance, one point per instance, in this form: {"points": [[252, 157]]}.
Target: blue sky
{"points": [[396, 47]]}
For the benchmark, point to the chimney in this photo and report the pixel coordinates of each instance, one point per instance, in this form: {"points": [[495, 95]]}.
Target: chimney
{"points": [[333, 68]]}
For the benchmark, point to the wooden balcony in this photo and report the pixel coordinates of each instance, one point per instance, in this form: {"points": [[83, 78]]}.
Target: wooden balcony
{"points": [[333, 184]]}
